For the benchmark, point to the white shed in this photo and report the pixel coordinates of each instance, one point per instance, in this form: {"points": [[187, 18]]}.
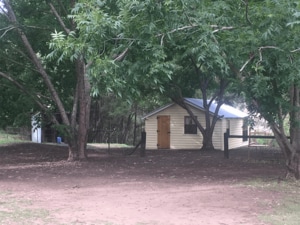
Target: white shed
{"points": [[168, 126], [36, 130]]}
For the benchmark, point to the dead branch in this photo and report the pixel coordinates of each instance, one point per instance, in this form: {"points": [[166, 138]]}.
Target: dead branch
{"points": [[265, 47], [121, 56], [183, 28], [247, 62], [296, 50], [175, 30], [223, 28], [193, 26]]}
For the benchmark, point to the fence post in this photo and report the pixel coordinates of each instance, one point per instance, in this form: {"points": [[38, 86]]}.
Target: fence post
{"points": [[226, 150], [143, 145]]}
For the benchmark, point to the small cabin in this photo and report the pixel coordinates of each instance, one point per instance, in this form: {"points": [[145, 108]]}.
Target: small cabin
{"points": [[171, 127]]}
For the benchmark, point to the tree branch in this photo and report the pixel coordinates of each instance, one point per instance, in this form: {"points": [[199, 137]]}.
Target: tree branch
{"points": [[10, 58], [6, 30], [265, 47], [192, 26], [247, 62], [252, 55], [58, 17], [296, 50], [174, 30], [37, 63], [246, 11], [183, 28], [121, 56], [24, 90], [223, 28]]}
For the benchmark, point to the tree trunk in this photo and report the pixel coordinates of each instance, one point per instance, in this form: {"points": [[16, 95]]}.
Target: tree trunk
{"points": [[84, 108], [73, 153], [207, 140], [294, 156], [135, 125], [46, 78], [76, 137], [291, 154], [206, 132], [295, 116]]}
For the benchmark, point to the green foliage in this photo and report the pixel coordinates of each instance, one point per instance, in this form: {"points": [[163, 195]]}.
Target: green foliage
{"points": [[274, 68], [36, 21], [147, 49], [173, 38]]}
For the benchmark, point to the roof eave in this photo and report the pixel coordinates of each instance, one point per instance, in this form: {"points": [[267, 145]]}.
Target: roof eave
{"points": [[157, 111]]}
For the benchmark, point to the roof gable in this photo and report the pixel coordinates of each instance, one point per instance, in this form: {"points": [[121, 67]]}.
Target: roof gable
{"points": [[226, 111]]}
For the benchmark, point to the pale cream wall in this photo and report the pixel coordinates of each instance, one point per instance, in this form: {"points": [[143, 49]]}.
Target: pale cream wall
{"points": [[218, 139], [236, 128], [179, 140]]}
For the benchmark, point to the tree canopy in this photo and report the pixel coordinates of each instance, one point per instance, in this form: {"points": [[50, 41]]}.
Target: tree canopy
{"points": [[152, 48], [271, 75]]}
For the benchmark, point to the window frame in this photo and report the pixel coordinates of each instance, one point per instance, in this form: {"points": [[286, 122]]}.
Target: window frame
{"points": [[190, 127]]}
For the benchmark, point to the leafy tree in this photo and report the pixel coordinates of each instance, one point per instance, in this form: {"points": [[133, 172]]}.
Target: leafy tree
{"points": [[165, 47], [102, 39], [86, 48], [181, 49], [24, 34], [271, 73]]}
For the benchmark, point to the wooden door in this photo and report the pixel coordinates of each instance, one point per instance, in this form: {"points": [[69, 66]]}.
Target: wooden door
{"points": [[163, 132]]}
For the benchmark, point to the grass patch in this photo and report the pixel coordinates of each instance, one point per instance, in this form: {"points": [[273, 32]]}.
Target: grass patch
{"points": [[19, 211], [6, 138], [106, 145], [286, 211]]}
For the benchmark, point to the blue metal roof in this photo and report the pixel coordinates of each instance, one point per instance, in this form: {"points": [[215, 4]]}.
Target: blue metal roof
{"points": [[226, 111]]}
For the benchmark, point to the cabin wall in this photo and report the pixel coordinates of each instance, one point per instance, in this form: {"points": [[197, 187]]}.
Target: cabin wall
{"points": [[178, 140], [218, 139], [236, 128]]}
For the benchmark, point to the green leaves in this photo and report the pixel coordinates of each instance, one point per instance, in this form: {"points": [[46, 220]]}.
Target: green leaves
{"points": [[273, 72], [58, 36]]}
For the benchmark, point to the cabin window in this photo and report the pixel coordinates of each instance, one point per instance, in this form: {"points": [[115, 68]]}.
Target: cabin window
{"points": [[190, 126]]}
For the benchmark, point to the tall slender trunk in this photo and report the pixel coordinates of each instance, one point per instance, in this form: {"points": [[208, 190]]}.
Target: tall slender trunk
{"points": [[84, 108], [295, 116], [294, 156]]}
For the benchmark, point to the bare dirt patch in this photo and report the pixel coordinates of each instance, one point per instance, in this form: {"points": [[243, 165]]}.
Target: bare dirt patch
{"points": [[163, 188]]}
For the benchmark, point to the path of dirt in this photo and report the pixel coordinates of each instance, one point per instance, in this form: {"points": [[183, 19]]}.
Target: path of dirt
{"points": [[163, 188]]}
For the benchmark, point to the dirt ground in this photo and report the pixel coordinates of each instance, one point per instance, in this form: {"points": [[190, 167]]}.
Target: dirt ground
{"points": [[163, 188]]}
